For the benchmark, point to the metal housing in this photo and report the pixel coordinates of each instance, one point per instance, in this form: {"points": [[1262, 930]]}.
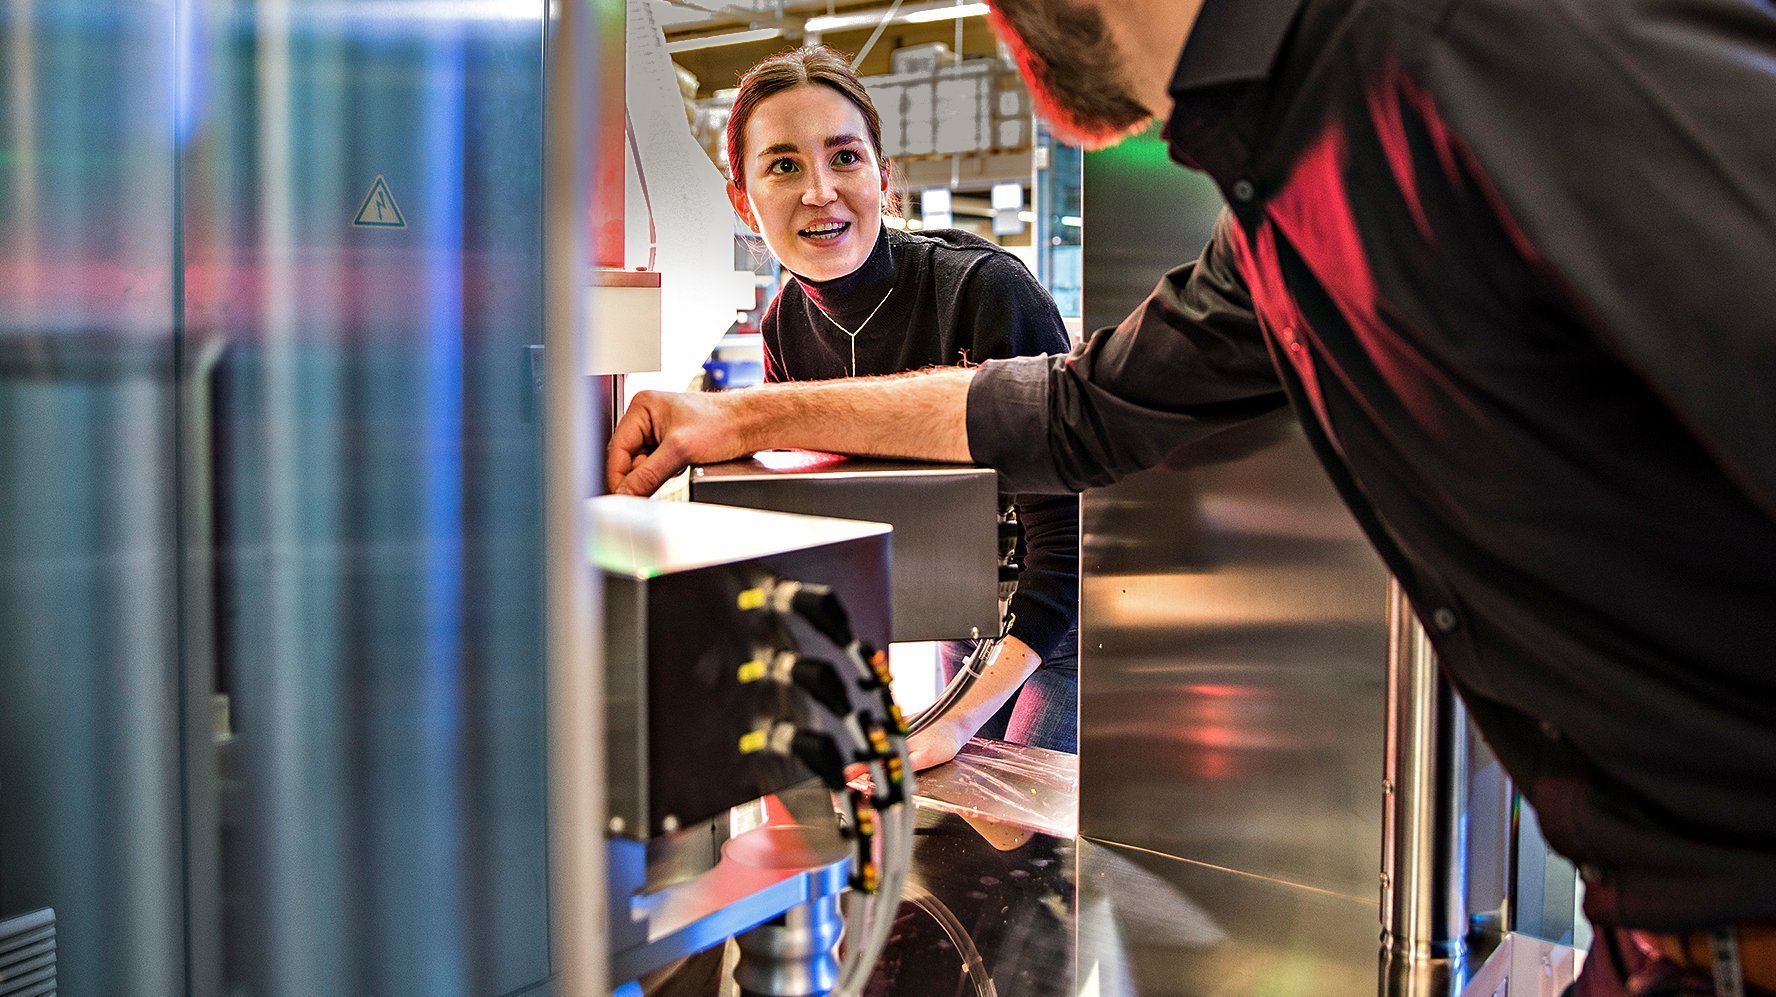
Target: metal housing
{"points": [[946, 575]]}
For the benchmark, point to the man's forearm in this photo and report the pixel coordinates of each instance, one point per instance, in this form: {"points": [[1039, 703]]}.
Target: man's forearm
{"points": [[921, 415]]}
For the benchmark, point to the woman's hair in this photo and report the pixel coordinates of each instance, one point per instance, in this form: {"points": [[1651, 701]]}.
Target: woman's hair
{"points": [[785, 71]]}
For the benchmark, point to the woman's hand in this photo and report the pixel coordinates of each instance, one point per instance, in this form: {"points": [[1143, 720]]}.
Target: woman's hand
{"points": [[938, 743]]}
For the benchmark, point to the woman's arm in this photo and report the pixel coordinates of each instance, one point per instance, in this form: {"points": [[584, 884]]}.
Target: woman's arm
{"points": [[1003, 675], [1010, 315]]}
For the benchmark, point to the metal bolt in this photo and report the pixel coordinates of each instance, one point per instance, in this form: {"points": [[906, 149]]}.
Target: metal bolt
{"points": [[1387, 786], [617, 825], [669, 823]]}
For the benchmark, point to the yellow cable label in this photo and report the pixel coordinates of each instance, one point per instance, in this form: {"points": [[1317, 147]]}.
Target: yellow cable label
{"points": [[752, 671], [753, 598], [753, 741]]}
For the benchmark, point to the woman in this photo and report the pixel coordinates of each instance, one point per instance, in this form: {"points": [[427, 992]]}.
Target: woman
{"points": [[805, 155]]}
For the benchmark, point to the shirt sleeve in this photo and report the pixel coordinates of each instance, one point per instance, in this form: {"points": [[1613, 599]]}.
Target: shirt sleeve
{"points": [[1631, 149], [1011, 314], [1188, 363]]}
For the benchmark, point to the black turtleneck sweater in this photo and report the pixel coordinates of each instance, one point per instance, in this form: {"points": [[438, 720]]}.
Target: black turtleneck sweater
{"points": [[943, 298]]}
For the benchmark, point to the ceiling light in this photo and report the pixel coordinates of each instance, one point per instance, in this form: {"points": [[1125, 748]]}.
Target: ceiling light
{"points": [[950, 13], [910, 15]]}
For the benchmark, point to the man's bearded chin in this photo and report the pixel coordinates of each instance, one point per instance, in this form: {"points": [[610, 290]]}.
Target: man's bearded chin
{"points": [[1076, 84]]}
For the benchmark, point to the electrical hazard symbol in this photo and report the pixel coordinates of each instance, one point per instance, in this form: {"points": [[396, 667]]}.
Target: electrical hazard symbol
{"points": [[379, 209]]}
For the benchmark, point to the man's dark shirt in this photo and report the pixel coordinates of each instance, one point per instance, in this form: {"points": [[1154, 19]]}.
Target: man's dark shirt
{"points": [[1512, 263]]}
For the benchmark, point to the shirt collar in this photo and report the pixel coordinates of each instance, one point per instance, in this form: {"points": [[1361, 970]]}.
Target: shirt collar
{"points": [[1233, 41], [1221, 82]]}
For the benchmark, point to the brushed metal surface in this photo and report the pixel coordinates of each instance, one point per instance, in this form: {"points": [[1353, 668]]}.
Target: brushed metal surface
{"points": [[1231, 688], [1155, 926], [1233, 617], [945, 547]]}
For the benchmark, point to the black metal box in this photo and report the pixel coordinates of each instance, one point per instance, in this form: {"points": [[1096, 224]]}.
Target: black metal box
{"points": [[945, 516], [679, 639]]}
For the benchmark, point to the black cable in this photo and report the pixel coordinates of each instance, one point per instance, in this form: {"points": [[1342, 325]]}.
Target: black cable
{"points": [[822, 756], [820, 679], [821, 607]]}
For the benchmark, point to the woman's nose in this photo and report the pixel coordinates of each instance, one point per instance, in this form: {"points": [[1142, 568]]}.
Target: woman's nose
{"points": [[819, 190]]}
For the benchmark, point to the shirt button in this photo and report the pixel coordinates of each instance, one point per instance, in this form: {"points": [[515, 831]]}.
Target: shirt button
{"points": [[1243, 190], [1550, 731], [1443, 618]]}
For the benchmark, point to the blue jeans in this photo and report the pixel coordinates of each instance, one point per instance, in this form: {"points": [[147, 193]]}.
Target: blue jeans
{"points": [[1045, 712]]}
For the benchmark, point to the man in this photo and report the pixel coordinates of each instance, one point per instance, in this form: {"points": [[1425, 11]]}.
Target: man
{"points": [[1508, 260]]}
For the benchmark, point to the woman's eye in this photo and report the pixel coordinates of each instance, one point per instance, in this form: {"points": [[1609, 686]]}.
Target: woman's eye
{"points": [[847, 157], [782, 166]]}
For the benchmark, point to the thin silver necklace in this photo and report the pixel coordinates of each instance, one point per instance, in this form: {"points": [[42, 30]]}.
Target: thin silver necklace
{"points": [[853, 332]]}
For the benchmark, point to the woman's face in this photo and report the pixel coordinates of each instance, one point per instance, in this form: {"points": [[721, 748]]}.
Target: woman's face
{"points": [[813, 185]]}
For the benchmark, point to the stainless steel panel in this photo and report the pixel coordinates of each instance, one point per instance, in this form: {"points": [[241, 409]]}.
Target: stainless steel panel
{"points": [[1231, 689], [946, 566], [1233, 629], [1156, 926], [91, 687]]}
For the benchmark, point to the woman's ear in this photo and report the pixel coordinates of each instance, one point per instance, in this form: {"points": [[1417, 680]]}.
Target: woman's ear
{"points": [[742, 205]]}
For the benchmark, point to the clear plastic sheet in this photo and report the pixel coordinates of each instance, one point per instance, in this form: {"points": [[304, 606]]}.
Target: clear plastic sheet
{"points": [[1020, 789]]}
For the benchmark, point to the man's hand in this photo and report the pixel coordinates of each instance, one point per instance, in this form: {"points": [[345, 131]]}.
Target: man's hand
{"points": [[922, 416], [661, 434]]}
